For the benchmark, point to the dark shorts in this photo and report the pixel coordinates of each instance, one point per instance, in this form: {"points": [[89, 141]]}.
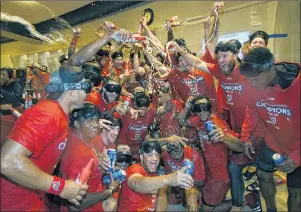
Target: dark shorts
{"points": [[266, 164]]}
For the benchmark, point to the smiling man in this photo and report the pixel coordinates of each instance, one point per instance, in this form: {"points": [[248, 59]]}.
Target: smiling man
{"points": [[139, 191]]}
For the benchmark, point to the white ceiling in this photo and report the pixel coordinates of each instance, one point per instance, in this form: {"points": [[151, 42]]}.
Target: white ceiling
{"points": [[34, 12]]}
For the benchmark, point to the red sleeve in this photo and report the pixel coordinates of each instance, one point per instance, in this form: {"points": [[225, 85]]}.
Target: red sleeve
{"points": [[36, 129], [91, 97], [135, 169], [295, 156], [199, 168], [250, 123], [214, 70], [222, 124], [178, 105], [193, 121], [208, 58]]}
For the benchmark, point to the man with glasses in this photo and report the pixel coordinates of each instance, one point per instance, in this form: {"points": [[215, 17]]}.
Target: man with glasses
{"points": [[136, 130], [215, 148], [107, 97], [274, 99], [34, 146]]}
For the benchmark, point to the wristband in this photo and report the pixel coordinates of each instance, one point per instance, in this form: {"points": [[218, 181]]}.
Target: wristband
{"points": [[57, 186]]}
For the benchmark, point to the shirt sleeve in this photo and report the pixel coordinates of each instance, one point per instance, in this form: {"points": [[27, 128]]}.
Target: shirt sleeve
{"points": [[250, 123], [91, 98], [35, 129], [200, 172], [135, 169], [213, 69]]}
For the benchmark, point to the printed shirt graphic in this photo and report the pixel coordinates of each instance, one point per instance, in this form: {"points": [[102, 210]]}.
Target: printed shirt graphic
{"points": [[130, 200], [169, 125], [280, 111], [193, 83], [76, 156], [135, 130], [43, 130], [233, 92]]}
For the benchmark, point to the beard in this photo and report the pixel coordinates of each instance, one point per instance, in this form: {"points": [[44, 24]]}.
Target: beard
{"points": [[229, 68]]}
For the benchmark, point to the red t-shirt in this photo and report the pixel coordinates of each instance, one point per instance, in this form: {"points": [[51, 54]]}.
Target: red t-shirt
{"points": [[96, 98], [76, 156], [233, 90], [134, 131], [100, 145], [130, 200], [43, 130], [168, 124], [171, 165], [203, 133], [193, 83], [280, 111]]}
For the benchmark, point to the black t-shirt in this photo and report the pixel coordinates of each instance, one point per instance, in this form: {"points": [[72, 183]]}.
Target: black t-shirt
{"points": [[11, 94]]}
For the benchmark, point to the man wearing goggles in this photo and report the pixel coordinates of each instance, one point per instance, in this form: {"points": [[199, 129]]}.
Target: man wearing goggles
{"points": [[85, 126], [107, 97], [274, 99], [179, 198], [37, 142], [215, 148], [136, 130]]}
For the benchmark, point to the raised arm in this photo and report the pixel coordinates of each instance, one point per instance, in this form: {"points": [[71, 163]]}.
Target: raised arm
{"points": [[149, 34], [72, 48], [155, 63], [88, 51], [189, 58]]}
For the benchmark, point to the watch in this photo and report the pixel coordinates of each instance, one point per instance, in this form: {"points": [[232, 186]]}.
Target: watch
{"points": [[149, 16]]}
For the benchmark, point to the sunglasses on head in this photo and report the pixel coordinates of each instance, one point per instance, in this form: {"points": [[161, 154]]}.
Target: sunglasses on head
{"points": [[121, 157], [198, 108], [113, 88]]}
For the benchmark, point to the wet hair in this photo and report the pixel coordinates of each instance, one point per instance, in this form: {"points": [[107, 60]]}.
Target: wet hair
{"points": [[115, 121], [110, 78], [92, 72], [256, 61], [117, 54], [103, 52], [88, 111], [259, 56], [224, 46], [10, 72], [261, 34], [148, 146]]}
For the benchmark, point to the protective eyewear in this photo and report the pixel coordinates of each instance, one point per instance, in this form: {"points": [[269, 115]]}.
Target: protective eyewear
{"points": [[121, 158], [113, 88], [142, 102], [253, 69], [86, 86], [198, 108]]}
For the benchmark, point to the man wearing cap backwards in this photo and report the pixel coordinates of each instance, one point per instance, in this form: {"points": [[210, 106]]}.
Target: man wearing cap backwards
{"points": [[39, 80], [274, 99], [35, 144], [140, 190]]}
